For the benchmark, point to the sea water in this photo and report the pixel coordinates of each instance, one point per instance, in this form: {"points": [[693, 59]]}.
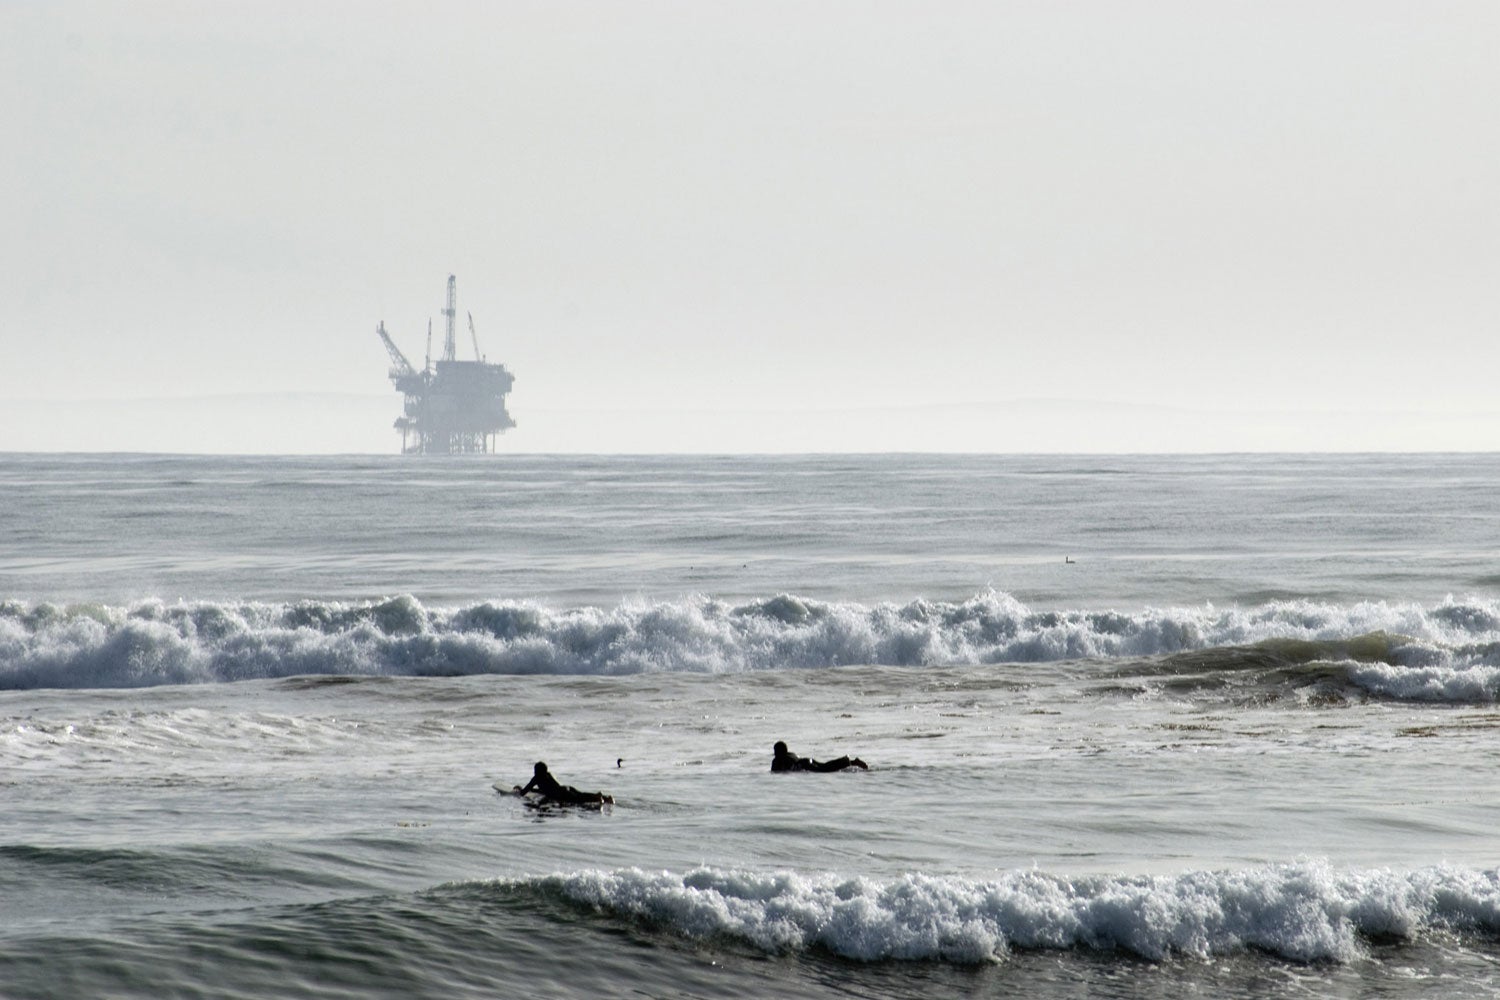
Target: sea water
{"points": [[1136, 726]]}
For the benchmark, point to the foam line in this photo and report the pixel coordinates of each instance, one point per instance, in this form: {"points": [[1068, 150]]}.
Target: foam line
{"points": [[1450, 651], [1304, 912]]}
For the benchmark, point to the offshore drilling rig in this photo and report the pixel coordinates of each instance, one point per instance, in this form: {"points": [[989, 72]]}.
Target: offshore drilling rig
{"points": [[452, 407]]}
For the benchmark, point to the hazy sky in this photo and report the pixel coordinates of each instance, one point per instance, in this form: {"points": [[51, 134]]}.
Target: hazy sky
{"points": [[756, 226]]}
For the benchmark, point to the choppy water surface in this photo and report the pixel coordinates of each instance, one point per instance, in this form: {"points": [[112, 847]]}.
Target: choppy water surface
{"points": [[1243, 743]]}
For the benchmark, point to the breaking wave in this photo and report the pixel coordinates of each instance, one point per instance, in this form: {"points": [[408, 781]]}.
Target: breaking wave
{"points": [[1450, 652], [1305, 912]]}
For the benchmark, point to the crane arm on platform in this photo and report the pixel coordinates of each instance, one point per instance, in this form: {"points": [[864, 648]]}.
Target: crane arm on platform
{"points": [[475, 336], [399, 364]]}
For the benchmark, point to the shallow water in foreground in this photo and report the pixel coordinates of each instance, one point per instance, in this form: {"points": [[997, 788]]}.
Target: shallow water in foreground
{"points": [[1025, 828]]}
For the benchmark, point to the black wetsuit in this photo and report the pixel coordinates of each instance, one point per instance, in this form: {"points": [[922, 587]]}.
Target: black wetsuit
{"points": [[548, 788], [789, 761]]}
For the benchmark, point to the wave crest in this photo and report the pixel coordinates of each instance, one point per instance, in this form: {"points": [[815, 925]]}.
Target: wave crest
{"points": [[157, 643], [1304, 912]]}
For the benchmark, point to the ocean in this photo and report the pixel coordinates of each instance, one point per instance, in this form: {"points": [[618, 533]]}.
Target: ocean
{"points": [[1136, 726]]}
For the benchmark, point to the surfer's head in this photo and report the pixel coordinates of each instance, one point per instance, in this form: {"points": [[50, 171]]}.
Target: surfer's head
{"points": [[779, 748], [540, 768]]}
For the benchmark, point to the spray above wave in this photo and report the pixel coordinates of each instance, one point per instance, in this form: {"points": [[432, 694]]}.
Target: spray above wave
{"points": [[155, 643], [1305, 912]]}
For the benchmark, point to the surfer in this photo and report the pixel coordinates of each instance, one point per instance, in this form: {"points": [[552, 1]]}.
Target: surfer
{"points": [[784, 760], [550, 790]]}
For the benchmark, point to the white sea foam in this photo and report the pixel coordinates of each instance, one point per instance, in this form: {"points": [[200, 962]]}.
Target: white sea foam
{"points": [[1478, 683], [1453, 647], [1305, 912]]}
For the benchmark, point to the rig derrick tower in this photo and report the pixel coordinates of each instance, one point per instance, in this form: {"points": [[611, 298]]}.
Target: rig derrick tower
{"points": [[451, 407]]}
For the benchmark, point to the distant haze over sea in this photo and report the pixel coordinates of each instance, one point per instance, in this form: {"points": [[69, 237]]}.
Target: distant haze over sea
{"points": [[360, 423]]}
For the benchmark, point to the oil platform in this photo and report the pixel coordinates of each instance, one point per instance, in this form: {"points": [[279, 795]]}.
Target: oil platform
{"points": [[452, 407]]}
